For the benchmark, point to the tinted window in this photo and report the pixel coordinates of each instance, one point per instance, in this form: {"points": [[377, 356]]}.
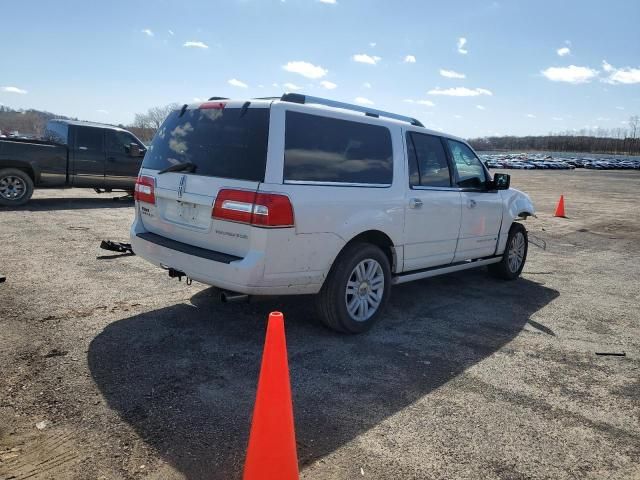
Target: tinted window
{"points": [[56, 132], [89, 138], [119, 142], [321, 149], [428, 164], [468, 166], [228, 143]]}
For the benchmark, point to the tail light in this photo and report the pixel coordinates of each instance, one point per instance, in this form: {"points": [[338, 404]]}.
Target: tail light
{"points": [[145, 190], [253, 208]]}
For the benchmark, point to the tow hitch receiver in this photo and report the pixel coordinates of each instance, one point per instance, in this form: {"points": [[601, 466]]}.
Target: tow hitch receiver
{"points": [[173, 273]]}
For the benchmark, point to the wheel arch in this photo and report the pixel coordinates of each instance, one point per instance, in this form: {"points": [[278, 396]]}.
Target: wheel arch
{"points": [[379, 239], [26, 167]]}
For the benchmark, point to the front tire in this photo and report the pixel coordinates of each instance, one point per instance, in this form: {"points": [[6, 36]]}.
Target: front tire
{"points": [[514, 256], [16, 187], [356, 290]]}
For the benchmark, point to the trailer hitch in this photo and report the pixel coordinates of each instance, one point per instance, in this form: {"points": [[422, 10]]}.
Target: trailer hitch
{"points": [[116, 247]]}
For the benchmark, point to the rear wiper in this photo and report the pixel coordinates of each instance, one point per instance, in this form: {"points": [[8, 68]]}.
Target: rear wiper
{"points": [[188, 167]]}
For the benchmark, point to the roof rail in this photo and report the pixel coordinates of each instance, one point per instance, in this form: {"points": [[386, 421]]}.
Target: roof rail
{"points": [[217, 98], [370, 112]]}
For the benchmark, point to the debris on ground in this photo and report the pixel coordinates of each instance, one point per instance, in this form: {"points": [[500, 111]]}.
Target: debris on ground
{"points": [[116, 247]]}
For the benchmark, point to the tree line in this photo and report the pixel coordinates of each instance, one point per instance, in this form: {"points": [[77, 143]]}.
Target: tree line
{"points": [[596, 140]]}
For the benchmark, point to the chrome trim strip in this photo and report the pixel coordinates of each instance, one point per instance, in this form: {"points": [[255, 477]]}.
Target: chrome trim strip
{"points": [[432, 272], [337, 184]]}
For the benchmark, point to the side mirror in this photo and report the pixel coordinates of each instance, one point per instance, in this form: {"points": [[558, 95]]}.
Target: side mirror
{"points": [[134, 149], [501, 181]]}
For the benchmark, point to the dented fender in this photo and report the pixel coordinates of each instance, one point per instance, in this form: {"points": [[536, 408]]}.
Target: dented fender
{"points": [[517, 205]]}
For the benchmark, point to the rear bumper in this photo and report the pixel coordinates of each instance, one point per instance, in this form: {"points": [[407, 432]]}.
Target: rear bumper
{"points": [[244, 275]]}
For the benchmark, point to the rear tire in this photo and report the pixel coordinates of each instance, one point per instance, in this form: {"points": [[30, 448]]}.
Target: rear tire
{"points": [[16, 187], [514, 256], [357, 289]]}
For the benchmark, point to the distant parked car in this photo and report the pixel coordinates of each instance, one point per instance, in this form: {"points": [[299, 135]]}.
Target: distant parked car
{"points": [[73, 154]]}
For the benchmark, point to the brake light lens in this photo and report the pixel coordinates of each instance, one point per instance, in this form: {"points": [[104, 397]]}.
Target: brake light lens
{"points": [[145, 190], [259, 209], [213, 105]]}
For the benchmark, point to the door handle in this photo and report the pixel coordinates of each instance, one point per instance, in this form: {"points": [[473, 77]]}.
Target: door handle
{"points": [[471, 204], [415, 203]]}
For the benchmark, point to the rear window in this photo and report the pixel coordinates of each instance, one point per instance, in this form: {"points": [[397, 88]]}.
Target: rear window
{"points": [[322, 149], [56, 132], [227, 143]]}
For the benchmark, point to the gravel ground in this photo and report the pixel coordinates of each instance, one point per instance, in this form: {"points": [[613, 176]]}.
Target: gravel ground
{"points": [[112, 370]]}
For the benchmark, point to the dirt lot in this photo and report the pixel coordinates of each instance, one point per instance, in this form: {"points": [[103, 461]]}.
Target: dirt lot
{"points": [[109, 369]]}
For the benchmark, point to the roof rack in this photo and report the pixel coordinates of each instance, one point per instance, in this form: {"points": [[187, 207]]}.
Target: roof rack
{"points": [[370, 112]]}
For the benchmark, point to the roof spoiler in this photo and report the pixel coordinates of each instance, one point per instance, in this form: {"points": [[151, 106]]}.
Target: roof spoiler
{"points": [[370, 112]]}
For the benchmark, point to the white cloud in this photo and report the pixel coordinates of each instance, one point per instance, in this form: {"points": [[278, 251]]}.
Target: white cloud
{"points": [[328, 85], [603, 119], [102, 111], [461, 43], [363, 101], [620, 108], [291, 86], [451, 74], [372, 44], [626, 75], [364, 58], [457, 116], [557, 119], [171, 33], [427, 103], [530, 115], [409, 59], [275, 85], [147, 32], [234, 82], [198, 99], [408, 100], [563, 52], [260, 86], [460, 92], [192, 44], [14, 90], [480, 107], [366, 85], [330, 2], [305, 69], [570, 74]]}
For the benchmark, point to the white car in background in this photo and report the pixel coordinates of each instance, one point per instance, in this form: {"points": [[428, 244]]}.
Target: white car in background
{"points": [[303, 195]]}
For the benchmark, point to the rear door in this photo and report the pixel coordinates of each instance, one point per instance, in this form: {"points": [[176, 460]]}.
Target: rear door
{"points": [[481, 208], [225, 146], [121, 167], [87, 150], [433, 204]]}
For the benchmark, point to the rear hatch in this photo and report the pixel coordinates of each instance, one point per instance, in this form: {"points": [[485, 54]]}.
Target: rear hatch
{"points": [[210, 147]]}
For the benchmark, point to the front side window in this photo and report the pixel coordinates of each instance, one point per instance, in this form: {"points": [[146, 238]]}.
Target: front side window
{"points": [[89, 139], [56, 132], [468, 167], [428, 166], [323, 149], [119, 142]]}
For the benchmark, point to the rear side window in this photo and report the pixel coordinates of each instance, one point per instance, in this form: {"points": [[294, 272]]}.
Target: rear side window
{"points": [[227, 143], [322, 149], [56, 132], [89, 139], [428, 166]]}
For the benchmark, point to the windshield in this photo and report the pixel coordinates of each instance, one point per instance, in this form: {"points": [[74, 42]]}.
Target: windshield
{"points": [[228, 143]]}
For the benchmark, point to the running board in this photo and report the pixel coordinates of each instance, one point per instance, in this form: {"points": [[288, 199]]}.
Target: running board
{"points": [[433, 272]]}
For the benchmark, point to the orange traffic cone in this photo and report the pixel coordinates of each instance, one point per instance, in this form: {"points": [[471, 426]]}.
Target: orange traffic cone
{"points": [[272, 452], [560, 208]]}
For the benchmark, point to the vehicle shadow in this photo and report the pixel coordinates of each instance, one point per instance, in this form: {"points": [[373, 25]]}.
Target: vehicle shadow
{"points": [[184, 377], [72, 203]]}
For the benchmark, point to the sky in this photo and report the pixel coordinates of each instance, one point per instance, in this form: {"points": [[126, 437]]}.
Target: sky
{"points": [[470, 68]]}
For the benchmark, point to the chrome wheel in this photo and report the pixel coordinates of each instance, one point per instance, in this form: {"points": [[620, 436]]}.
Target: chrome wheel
{"points": [[365, 289], [516, 252], [12, 187]]}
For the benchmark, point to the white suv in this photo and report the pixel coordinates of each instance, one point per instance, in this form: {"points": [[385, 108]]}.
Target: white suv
{"points": [[302, 195]]}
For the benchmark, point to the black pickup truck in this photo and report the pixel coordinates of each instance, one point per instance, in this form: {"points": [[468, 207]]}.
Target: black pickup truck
{"points": [[72, 154]]}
